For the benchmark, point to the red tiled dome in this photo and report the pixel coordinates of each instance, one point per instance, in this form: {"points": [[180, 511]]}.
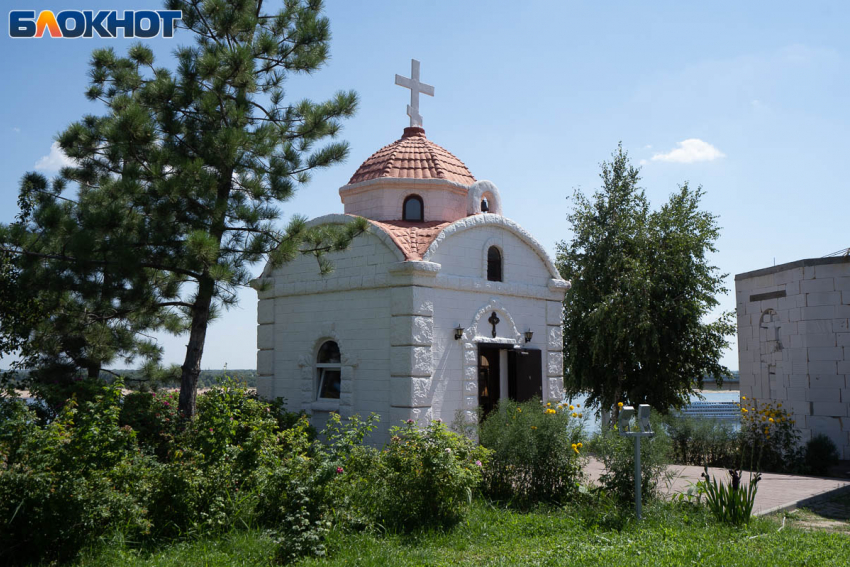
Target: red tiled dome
{"points": [[413, 157]]}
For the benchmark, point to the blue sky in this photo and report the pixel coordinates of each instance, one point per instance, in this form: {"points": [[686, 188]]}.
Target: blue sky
{"points": [[748, 99]]}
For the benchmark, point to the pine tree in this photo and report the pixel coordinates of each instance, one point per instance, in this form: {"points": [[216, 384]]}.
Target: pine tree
{"points": [[635, 319], [204, 153], [75, 261]]}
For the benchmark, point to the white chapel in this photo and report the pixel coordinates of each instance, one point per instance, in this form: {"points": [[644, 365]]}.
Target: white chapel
{"points": [[444, 304]]}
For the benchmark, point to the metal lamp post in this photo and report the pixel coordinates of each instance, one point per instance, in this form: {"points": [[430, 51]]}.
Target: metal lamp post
{"points": [[643, 430]]}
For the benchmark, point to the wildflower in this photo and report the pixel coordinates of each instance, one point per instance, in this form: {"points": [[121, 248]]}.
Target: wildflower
{"points": [[211, 429], [572, 408], [448, 451], [580, 415], [770, 420], [548, 404], [575, 448], [578, 405], [574, 414], [409, 422], [578, 444], [743, 410], [166, 404], [519, 410], [619, 404], [477, 463], [534, 427], [339, 470], [743, 397]]}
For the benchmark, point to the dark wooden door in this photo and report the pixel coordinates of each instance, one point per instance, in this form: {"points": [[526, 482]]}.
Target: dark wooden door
{"points": [[488, 378], [525, 374]]}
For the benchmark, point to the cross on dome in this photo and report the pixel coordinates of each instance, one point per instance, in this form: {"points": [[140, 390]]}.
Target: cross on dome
{"points": [[415, 88]]}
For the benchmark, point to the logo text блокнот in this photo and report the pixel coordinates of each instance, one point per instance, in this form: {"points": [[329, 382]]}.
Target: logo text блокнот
{"points": [[88, 23]]}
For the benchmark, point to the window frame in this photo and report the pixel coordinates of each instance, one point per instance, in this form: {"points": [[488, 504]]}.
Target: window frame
{"points": [[421, 208], [321, 371], [501, 264]]}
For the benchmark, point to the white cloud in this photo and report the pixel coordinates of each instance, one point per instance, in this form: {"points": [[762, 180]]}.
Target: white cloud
{"points": [[643, 162], [16, 130], [55, 160], [648, 147], [690, 151]]}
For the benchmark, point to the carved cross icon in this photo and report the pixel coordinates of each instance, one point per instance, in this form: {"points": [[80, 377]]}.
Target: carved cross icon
{"points": [[415, 88], [494, 320]]}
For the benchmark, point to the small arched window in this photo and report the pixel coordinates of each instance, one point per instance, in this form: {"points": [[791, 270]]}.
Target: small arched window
{"points": [[494, 264], [413, 209], [328, 372]]}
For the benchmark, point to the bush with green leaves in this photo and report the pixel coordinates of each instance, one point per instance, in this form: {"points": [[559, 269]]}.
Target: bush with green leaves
{"points": [[536, 452], [617, 454], [770, 440], [67, 482], [423, 478], [820, 455], [702, 442], [154, 418]]}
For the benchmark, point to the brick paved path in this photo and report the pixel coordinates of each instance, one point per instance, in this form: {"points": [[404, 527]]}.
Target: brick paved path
{"points": [[776, 491]]}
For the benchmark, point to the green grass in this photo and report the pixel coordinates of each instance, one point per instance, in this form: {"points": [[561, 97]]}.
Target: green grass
{"points": [[671, 534]]}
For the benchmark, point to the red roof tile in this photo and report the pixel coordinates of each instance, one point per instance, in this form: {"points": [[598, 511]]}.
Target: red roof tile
{"points": [[413, 157], [412, 238]]}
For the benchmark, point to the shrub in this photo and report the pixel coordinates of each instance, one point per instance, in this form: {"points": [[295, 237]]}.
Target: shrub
{"points": [[820, 455], [535, 452], [424, 477], [217, 464], [617, 453], [702, 442], [154, 418], [66, 483], [769, 439]]}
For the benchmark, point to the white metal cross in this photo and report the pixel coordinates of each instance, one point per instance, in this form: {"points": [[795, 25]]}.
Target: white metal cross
{"points": [[415, 88]]}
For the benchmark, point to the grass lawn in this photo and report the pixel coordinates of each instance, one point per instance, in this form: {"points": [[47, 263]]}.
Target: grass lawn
{"points": [[670, 535]]}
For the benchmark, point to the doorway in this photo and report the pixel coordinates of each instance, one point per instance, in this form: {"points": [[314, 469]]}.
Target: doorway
{"points": [[524, 374]]}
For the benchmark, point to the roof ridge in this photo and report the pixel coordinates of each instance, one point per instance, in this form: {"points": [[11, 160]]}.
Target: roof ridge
{"points": [[441, 174]]}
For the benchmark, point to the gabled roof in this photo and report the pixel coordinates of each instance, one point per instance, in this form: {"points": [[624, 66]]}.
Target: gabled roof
{"points": [[412, 238], [413, 157]]}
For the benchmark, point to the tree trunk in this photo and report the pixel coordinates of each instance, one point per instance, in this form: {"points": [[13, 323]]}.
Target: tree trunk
{"points": [[191, 368]]}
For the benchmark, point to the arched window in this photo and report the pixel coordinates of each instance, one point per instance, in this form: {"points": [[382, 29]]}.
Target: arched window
{"points": [[494, 264], [328, 372], [413, 209]]}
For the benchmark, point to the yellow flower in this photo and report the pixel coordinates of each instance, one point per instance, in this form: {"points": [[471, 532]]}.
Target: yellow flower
{"points": [[619, 404], [575, 448], [770, 420], [534, 427], [574, 414], [743, 410], [548, 404], [779, 405], [580, 415], [550, 411], [579, 444], [743, 397], [572, 408], [519, 409], [578, 405]]}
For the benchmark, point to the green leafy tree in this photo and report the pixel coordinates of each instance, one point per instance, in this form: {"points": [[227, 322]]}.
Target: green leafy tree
{"points": [[93, 310], [636, 323], [202, 154]]}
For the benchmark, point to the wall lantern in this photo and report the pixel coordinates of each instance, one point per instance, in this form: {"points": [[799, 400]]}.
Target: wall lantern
{"points": [[528, 335], [458, 332]]}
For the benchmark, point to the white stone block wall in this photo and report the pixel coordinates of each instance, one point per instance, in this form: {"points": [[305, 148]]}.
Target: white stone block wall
{"points": [[794, 343]]}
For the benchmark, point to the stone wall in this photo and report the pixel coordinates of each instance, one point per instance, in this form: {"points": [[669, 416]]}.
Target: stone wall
{"points": [[794, 343]]}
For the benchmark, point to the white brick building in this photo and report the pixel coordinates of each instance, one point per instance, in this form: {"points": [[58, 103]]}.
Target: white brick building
{"points": [[378, 334], [794, 342]]}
